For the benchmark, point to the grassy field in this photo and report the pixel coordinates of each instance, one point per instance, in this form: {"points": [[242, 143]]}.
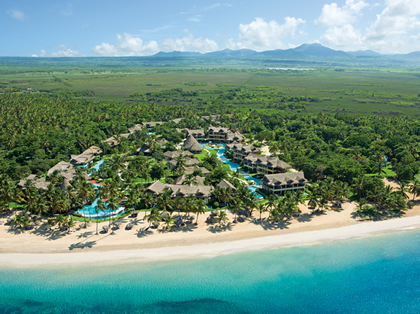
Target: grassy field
{"points": [[359, 92]]}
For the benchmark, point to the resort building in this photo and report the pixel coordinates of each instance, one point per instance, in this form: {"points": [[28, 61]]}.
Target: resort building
{"points": [[176, 154], [112, 141], [280, 183], [265, 164], [85, 157], [226, 184], [240, 151], [176, 120], [179, 190], [192, 145], [62, 166], [190, 170], [217, 134], [224, 135], [198, 134], [145, 149], [189, 162], [180, 180], [150, 125], [135, 128]]}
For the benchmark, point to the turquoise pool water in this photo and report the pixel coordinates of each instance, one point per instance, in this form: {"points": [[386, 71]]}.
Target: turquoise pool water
{"points": [[235, 167], [378, 274], [88, 211]]}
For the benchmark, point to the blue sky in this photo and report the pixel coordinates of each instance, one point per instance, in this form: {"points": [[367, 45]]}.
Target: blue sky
{"points": [[137, 28]]}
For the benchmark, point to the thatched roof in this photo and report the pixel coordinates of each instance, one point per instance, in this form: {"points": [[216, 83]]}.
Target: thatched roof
{"points": [[62, 166], [135, 128], [176, 154], [266, 161], [192, 145], [178, 190], [226, 184], [284, 178]]}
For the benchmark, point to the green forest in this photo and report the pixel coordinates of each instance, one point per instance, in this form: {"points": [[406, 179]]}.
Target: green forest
{"points": [[352, 128]]}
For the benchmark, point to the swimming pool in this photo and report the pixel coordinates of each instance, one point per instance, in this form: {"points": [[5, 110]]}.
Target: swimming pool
{"points": [[89, 211], [235, 167]]}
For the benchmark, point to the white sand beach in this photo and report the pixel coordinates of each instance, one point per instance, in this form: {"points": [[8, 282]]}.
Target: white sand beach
{"points": [[38, 247]]}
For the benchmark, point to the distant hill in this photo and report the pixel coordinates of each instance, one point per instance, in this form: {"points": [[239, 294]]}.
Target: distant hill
{"points": [[364, 53], [242, 53], [309, 52], [178, 54]]}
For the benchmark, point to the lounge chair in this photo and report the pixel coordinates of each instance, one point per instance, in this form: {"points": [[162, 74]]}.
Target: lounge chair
{"points": [[128, 227]]}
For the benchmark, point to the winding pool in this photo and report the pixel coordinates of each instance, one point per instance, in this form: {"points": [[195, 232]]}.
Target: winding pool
{"points": [[235, 167]]}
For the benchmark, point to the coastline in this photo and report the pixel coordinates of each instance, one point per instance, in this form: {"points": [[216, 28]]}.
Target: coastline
{"points": [[210, 250]]}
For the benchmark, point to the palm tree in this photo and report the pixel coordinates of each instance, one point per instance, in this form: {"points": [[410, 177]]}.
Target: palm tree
{"points": [[402, 190], [222, 217], [200, 208], [415, 188], [61, 220], [169, 222], [261, 208], [113, 206], [359, 186], [100, 206], [154, 216], [70, 224], [236, 206]]}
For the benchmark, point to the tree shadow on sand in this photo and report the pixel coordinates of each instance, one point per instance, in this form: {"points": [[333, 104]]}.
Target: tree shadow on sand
{"points": [[304, 218], [275, 225], [86, 234], [220, 228], [144, 232], [82, 245], [15, 230]]}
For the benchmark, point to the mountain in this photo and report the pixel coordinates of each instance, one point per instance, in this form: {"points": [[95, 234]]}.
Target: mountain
{"points": [[242, 53], [178, 54], [364, 53], [318, 50], [305, 51]]}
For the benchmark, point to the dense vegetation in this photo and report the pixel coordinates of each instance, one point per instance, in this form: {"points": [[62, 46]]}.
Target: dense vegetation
{"points": [[319, 131]]}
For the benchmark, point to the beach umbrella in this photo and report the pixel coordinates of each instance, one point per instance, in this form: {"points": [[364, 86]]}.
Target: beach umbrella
{"points": [[215, 212], [164, 215], [105, 228]]}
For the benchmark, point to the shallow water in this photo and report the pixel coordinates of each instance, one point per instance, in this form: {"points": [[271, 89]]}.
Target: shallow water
{"points": [[379, 274]]}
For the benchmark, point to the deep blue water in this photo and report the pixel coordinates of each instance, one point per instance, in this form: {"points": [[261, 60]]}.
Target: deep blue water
{"points": [[379, 274]]}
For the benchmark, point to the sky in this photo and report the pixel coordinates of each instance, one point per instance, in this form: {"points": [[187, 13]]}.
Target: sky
{"points": [[46, 28]]}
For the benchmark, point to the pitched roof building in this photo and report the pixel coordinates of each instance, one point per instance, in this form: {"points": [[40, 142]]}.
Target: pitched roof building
{"points": [[192, 145], [226, 184], [178, 190], [265, 164], [282, 182], [176, 154]]}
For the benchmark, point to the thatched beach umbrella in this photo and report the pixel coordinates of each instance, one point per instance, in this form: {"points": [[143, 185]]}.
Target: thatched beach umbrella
{"points": [[215, 212]]}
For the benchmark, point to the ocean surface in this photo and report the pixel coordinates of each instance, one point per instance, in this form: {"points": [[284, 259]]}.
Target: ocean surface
{"points": [[377, 274]]}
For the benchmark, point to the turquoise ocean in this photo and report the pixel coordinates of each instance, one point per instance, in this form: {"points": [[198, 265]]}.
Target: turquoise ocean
{"points": [[376, 274]]}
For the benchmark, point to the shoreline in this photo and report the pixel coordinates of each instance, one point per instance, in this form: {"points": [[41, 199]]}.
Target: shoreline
{"points": [[213, 249]]}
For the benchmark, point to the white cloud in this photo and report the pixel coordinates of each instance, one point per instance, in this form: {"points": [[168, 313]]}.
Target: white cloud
{"points": [[63, 51], [261, 35], [18, 15], [333, 15], [345, 36], [189, 43], [398, 18], [127, 45]]}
